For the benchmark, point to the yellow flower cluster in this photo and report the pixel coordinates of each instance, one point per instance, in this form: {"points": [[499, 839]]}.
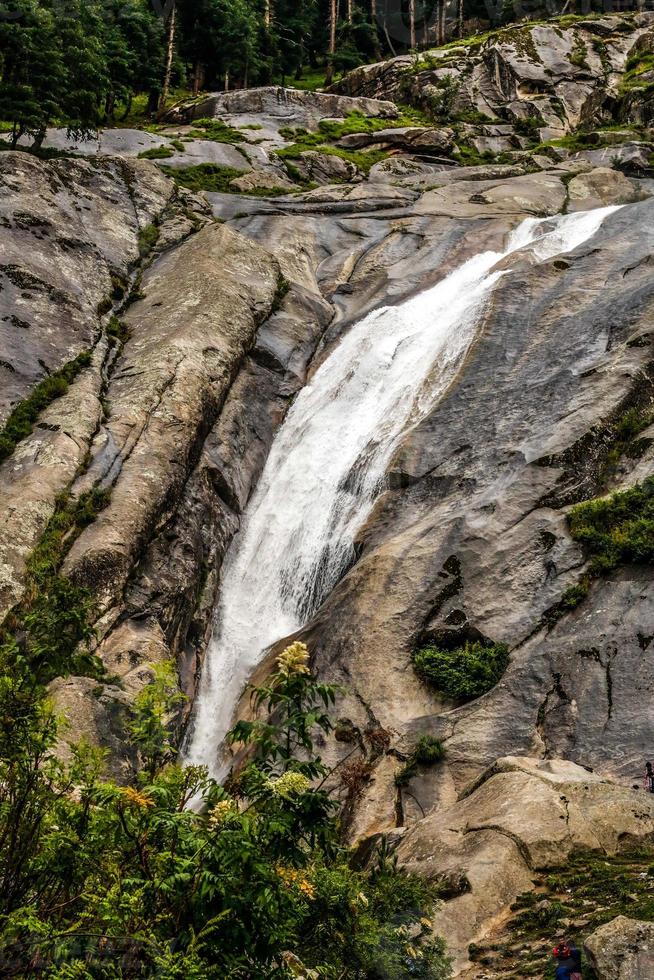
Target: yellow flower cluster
{"points": [[293, 878], [133, 798], [290, 784], [220, 812], [294, 660]]}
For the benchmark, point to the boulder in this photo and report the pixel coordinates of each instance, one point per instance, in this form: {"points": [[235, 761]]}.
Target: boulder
{"points": [[522, 815], [411, 139], [323, 168], [623, 949], [278, 106], [261, 180], [600, 188]]}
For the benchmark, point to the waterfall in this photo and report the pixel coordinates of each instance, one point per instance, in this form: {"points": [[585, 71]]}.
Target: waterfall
{"points": [[328, 461]]}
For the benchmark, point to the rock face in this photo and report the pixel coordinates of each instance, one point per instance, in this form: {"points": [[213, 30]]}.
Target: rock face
{"points": [[523, 815], [226, 321], [622, 949], [528, 79]]}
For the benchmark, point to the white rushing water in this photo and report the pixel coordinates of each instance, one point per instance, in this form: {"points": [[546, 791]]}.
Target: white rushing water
{"points": [[327, 465]]}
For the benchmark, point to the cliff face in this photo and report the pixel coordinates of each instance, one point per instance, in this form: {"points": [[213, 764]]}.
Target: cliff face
{"points": [[197, 335]]}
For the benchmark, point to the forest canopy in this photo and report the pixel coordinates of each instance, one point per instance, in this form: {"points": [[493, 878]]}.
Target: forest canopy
{"points": [[83, 63]]}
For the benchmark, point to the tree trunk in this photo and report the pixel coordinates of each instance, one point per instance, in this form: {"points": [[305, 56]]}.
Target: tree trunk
{"points": [[227, 81], [349, 11], [459, 18], [333, 13], [128, 108], [412, 24], [170, 47], [38, 138], [198, 77], [266, 13], [441, 21]]}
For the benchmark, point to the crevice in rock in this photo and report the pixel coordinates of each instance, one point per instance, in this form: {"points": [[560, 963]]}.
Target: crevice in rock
{"points": [[519, 843]]}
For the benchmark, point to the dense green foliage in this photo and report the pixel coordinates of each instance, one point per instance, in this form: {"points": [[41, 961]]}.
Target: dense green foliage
{"points": [[465, 672], [617, 529], [86, 63], [22, 418], [102, 880]]}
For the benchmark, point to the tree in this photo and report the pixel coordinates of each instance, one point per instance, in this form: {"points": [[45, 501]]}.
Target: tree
{"points": [[252, 883]]}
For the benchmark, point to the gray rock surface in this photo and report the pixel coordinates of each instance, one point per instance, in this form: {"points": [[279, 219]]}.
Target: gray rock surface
{"points": [[470, 538], [623, 949], [523, 815]]}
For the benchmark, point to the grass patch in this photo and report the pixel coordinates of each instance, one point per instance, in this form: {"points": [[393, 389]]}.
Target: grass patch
{"points": [[312, 79], [147, 239], [216, 131], [465, 672], [21, 421], [216, 179], [638, 64], [427, 752], [363, 160], [118, 331], [590, 890], [618, 529], [157, 153]]}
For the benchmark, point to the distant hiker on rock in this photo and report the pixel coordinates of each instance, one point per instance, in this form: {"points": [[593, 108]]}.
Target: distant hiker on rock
{"points": [[568, 959], [649, 777]]}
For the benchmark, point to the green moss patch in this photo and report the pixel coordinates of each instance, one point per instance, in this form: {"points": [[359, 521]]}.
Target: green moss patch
{"points": [[20, 423], [157, 153], [216, 179], [147, 239], [465, 672], [50, 627], [363, 160]]}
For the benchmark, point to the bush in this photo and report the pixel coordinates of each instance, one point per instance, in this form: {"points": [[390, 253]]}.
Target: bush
{"points": [[251, 883], [617, 529], [465, 672]]}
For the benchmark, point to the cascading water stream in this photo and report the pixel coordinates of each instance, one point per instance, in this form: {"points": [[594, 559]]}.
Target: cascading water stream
{"points": [[328, 461]]}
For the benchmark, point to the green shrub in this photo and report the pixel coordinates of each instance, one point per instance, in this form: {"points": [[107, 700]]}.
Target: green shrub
{"points": [[252, 883], [118, 330], [215, 179], [618, 529], [21, 421], [216, 131], [465, 672], [427, 752]]}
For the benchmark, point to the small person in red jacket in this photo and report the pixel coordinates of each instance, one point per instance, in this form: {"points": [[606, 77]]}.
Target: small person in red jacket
{"points": [[568, 960]]}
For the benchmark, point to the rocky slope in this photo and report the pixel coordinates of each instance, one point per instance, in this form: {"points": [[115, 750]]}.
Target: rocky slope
{"points": [[199, 334]]}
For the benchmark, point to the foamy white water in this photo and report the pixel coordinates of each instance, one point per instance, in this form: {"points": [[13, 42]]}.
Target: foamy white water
{"points": [[327, 465]]}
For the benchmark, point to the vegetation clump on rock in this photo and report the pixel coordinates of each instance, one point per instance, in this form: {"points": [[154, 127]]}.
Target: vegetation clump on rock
{"points": [[21, 420], [617, 529], [428, 752], [465, 672]]}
